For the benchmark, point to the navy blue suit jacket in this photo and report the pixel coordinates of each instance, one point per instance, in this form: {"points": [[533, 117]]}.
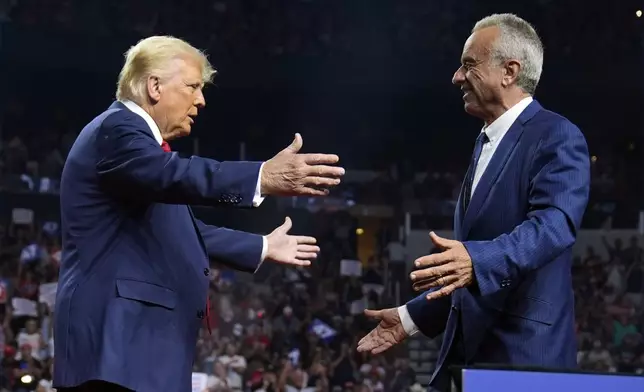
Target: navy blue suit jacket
{"points": [[519, 229], [134, 276]]}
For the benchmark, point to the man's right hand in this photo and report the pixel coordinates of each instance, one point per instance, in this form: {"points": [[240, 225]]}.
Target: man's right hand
{"points": [[388, 333], [290, 174]]}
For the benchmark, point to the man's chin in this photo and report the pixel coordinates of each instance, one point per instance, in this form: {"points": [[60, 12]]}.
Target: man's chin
{"points": [[185, 131], [471, 109]]}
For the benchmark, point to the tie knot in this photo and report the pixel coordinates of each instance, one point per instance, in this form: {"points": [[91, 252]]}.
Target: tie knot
{"points": [[482, 138], [165, 146]]}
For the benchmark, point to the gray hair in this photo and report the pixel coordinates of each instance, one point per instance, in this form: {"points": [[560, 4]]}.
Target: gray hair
{"points": [[517, 40]]}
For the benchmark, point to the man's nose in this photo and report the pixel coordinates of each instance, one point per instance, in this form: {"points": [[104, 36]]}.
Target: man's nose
{"points": [[459, 77], [200, 101]]}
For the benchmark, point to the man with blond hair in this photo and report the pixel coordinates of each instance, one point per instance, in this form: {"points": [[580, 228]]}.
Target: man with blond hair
{"points": [[133, 287]]}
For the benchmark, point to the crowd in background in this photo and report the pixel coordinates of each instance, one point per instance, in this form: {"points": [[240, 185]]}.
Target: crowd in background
{"points": [[296, 329]]}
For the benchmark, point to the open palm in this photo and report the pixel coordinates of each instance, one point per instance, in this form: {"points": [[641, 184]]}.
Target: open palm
{"points": [[290, 249], [388, 333]]}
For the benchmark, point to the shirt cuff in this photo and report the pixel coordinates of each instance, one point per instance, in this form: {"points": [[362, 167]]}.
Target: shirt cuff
{"points": [[408, 324], [258, 198], [264, 250]]}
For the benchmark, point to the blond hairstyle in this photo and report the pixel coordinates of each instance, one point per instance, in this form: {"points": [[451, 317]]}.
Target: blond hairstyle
{"points": [[152, 56]]}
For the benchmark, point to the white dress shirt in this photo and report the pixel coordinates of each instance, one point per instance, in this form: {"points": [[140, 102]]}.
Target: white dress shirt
{"points": [[495, 133], [257, 198]]}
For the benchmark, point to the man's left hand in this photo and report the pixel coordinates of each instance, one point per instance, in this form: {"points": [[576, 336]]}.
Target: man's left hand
{"points": [[288, 249], [451, 269]]}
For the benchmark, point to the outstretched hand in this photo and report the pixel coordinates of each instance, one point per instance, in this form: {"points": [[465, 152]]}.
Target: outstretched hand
{"points": [[387, 334], [288, 249], [450, 270], [290, 173]]}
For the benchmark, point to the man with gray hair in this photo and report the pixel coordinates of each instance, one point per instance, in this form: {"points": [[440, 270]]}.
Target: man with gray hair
{"points": [[501, 292], [134, 277]]}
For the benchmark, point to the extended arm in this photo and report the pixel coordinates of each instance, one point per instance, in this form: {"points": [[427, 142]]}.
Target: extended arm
{"points": [[236, 249], [557, 199], [132, 164], [428, 317]]}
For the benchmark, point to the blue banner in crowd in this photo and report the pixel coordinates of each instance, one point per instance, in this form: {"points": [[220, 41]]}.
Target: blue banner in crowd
{"points": [[322, 330]]}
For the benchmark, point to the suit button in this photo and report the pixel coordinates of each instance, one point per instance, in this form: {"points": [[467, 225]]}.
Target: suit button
{"points": [[200, 314], [454, 308], [206, 271]]}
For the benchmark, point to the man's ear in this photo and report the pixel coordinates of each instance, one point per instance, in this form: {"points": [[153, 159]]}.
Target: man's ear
{"points": [[511, 72], [154, 88]]}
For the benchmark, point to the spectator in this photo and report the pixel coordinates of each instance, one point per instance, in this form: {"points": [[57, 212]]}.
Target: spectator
{"points": [[32, 337]]}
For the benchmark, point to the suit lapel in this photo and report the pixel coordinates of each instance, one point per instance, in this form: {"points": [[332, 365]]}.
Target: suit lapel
{"points": [[496, 165]]}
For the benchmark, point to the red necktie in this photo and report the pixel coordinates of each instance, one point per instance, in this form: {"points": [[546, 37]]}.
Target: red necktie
{"points": [[166, 148]]}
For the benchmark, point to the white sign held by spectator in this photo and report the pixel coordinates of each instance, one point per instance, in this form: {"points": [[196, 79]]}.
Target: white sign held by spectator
{"points": [[22, 216], [350, 268], [358, 306], [199, 382], [48, 294], [24, 307]]}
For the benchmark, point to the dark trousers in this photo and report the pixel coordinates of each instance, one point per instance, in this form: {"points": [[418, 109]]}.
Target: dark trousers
{"points": [[95, 386]]}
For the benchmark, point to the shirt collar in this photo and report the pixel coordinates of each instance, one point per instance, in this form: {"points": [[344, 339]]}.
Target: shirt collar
{"points": [[501, 125], [148, 119]]}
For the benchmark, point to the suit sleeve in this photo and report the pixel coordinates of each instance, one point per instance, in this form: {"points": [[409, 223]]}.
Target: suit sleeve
{"points": [[428, 317], [558, 195], [132, 165], [236, 249]]}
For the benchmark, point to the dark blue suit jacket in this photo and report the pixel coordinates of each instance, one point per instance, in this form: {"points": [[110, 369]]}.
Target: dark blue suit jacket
{"points": [[134, 275], [519, 229]]}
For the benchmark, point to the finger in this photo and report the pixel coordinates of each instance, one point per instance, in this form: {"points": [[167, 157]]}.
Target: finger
{"points": [[422, 286], [381, 348], [312, 191], [434, 260], [296, 145], [321, 182], [431, 273], [298, 262], [370, 341], [306, 255], [438, 282], [441, 242], [321, 159], [375, 314], [286, 226], [325, 171], [443, 292], [305, 240], [308, 248]]}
